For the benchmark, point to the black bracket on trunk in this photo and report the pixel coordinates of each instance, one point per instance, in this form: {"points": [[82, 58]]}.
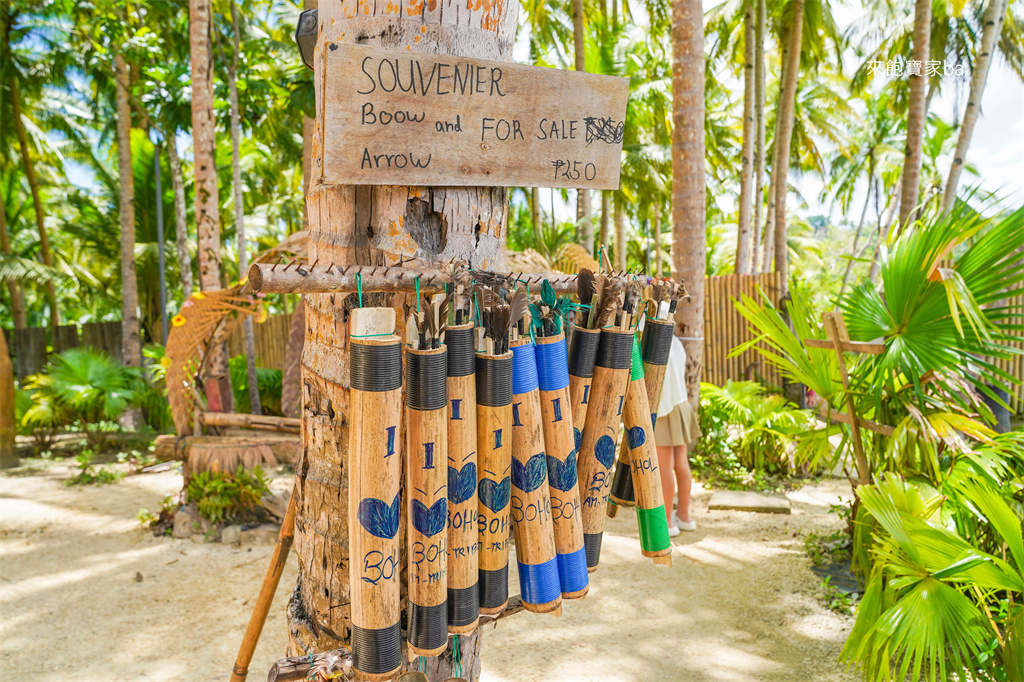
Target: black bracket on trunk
{"points": [[305, 35]]}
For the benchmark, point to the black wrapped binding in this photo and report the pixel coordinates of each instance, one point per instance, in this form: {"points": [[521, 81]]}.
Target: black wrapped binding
{"points": [[615, 350], [622, 485], [657, 343], [494, 380], [493, 588], [461, 354], [376, 368], [377, 652], [428, 627], [592, 543], [463, 605], [425, 382], [582, 352]]}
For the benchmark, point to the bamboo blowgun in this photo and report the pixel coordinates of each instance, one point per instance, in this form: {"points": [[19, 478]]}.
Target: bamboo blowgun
{"points": [[463, 593], [427, 451], [375, 471], [582, 353], [604, 413], [531, 502], [559, 442]]}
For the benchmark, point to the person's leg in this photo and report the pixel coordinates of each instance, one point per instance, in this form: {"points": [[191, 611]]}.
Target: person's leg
{"points": [[667, 479], [684, 479]]}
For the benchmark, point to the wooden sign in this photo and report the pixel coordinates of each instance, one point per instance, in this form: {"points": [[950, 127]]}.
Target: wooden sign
{"points": [[398, 117]]}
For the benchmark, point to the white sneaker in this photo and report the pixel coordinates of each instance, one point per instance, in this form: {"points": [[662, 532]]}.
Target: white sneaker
{"points": [[673, 531], [686, 525], [675, 519]]}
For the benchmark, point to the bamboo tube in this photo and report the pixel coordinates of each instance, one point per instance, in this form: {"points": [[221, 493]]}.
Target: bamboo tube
{"points": [[597, 448], [531, 502], [643, 459], [463, 593], [494, 451], [582, 351], [426, 432], [375, 471], [657, 341], [561, 450]]}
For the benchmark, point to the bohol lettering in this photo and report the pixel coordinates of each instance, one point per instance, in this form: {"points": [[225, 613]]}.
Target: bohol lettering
{"points": [[392, 160], [409, 75]]}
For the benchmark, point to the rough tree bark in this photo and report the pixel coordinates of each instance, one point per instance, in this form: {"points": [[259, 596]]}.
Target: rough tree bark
{"points": [[236, 184], [205, 168], [14, 288], [37, 202], [180, 216], [787, 107], [131, 343], [768, 253], [688, 190], [743, 241], [366, 225], [605, 218], [586, 211], [620, 236], [994, 14], [917, 110], [756, 265]]}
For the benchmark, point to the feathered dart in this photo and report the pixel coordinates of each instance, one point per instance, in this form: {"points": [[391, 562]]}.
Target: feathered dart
{"points": [[611, 302], [549, 311], [462, 288]]}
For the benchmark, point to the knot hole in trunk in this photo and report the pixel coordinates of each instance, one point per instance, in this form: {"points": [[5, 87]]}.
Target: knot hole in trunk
{"points": [[428, 228]]}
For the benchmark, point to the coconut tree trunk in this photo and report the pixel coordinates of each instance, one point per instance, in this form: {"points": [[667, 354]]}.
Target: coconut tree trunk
{"points": [[17, 297], [319, 607], [620, 236], [656, 226], [236, 182], [787, 108], [291, 376], [688, 191], [863, 214], [768, 255], [883, 225], [8, 450], [180, 216], [916, 112], [756, 263], [131, 343], [605, 207], [586, 213], [207, 215], [307, 138], [37, 202], [746, 159], [994, 14], [538, 226]]}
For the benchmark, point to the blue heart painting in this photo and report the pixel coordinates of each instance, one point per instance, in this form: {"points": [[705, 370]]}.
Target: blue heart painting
{"points": [[563, 474], [636, 437], [578, 435], [654, 420], [430, 521], [530, 476], [378, 518], [493, 495], [461, 484], [604, 450]]}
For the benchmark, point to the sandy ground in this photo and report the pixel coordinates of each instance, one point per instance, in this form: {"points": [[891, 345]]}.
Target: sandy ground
{"points": [[85, 594]]}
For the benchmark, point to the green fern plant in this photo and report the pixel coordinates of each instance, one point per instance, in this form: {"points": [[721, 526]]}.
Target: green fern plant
{"points": [[227, 496]]}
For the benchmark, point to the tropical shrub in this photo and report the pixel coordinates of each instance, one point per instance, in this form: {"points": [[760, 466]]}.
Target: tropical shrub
{"points": [[153, 389], [268, 381], [84, 387], [227, 497]]}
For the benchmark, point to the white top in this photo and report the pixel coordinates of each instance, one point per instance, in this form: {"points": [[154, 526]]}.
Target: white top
{"points": [[673, 392]]}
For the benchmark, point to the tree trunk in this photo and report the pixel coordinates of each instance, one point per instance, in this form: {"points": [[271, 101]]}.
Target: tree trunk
{"points": [[605, 207], [620, 236], [349, 224], [180, 216], [746, 159], [773, 176], [8, 449], [916, 113], [586, 217], [860, 225], [236, 182], [538, 226], [307, 139], [37, 202], [787, 109], [656, 224], [756, 264], [14, 288], [206, 194], [994, 14], [131, 343], [291, 376], [883, 226], [688, 192]]}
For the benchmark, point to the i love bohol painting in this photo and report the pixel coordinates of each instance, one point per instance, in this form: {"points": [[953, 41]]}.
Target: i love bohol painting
{"points": [[407, 118]]}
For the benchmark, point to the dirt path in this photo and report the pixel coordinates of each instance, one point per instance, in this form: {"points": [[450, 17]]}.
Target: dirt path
{"points": [[739, 605]]}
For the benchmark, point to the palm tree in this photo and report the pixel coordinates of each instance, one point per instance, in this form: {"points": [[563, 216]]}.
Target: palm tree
{"points": [[916, 111], [13, 287], [993, 24], [586, 231], [759, 26], [743, 237], [206, 193], [688, 191]]}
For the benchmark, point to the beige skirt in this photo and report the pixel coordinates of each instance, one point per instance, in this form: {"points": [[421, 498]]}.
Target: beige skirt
{"points": [[678, 427]]}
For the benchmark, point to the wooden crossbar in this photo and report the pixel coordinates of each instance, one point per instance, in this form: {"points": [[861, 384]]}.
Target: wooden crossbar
{"points": [[848, 347]]}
